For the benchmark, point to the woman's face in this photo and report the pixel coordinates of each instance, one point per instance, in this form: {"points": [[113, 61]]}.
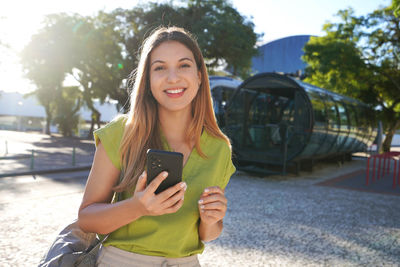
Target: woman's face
{"points": [[174, 77]]}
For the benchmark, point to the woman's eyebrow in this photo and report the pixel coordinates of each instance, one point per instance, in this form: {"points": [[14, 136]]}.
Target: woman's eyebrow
{"points": [[160, 61], [185, 58], [156, 61]]}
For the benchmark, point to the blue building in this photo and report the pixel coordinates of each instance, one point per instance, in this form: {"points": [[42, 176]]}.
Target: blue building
{"points": [[282, 55]]}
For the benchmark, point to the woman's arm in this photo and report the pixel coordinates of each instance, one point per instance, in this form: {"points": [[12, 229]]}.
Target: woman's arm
{"points": [[98, 215], [212, 207]]}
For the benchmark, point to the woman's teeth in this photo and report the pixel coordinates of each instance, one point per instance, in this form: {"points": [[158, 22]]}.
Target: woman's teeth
{"points": [[175, 91]]}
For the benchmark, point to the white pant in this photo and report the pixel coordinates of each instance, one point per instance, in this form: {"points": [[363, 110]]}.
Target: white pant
{"points": [[111, 256]]}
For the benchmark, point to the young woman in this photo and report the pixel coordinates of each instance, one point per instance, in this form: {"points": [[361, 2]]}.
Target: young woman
{"points": [[171, 109]]}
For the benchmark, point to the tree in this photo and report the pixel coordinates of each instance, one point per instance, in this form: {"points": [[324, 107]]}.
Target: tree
{"points": [[358, 57], [396, 7], [72, 44], [101, 51], [68, 104], [96, 65], [225, 36], [46, 61], [227, 39]]}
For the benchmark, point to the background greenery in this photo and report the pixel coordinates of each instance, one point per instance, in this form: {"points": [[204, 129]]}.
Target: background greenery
{"points": [[360, 57], [100, 52]]}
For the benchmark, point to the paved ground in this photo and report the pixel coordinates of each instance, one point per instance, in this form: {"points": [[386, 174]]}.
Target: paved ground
{"points": [[271, 221], [49, 153]]}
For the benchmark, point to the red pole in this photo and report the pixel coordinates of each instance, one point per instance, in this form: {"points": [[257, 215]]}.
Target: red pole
{"points": [[389, 161], [379, 167], [384, 164], [373, 170]]}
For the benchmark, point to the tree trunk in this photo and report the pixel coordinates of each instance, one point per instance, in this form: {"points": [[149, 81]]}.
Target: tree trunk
{"points": [[90, 133], [389, 136], [95, 120], [98, 120], [48, 119]]}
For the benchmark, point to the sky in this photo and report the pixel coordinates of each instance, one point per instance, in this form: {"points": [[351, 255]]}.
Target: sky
{"points": [[20, 19]]}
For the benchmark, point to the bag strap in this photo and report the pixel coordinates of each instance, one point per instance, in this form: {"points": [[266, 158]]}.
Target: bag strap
{"points": [[94, 250], [117, 196]]}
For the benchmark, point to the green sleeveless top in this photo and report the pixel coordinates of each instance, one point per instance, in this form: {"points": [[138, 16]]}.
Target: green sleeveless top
{"points": [[170, 235]]}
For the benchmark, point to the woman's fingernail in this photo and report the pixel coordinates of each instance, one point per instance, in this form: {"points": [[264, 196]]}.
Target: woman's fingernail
{"points": [[183, 185], [164, 174], [206, 190], [200, 201], [202, 207]]}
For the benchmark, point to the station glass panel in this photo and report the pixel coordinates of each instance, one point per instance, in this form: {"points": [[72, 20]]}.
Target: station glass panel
{"points": [[317, 144], [333, 124], [300, 133], [235, 119], [266, 112], [362, 115], [353, 123], [220, 96], [362, 131], [344, 127]]}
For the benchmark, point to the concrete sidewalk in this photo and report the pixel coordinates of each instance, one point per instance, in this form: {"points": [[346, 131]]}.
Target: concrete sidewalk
{"points": [[31, 154], [271, 220]]}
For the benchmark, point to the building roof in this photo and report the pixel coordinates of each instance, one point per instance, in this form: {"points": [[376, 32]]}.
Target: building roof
{"points": [[282, 55], [14, 104]]}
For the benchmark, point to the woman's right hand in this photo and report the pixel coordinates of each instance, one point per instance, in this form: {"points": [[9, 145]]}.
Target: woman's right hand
{"points": [[151, 204]]}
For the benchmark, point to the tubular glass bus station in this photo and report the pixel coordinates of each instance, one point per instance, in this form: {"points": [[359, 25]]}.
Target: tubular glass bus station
{"points": [[273, 119]]}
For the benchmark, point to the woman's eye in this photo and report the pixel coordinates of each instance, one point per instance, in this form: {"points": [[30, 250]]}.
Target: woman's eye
{"points": [[158, 68], [185, 66]]}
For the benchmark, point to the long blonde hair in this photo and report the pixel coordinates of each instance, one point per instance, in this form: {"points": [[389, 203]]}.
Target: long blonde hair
{"points": [[142, 130]]}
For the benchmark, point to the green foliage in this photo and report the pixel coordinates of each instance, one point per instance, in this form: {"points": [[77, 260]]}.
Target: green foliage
{"points": [[225, 37], [100, 52], [359, 57], [396, 7], [67, 107], [46, 61]]}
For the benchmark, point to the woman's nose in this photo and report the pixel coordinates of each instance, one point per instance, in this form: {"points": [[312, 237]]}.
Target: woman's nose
{"points": [[173, 76]]}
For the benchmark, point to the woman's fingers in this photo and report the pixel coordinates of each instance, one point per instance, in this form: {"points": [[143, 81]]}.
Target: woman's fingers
{"points": [[220, 206], [172, 200], [167, 193], [174, 208], [212, 214], [152, 187], [213, 198], [213, 194], [168, 201], [213, 190], [141, 183], [212, 204]]}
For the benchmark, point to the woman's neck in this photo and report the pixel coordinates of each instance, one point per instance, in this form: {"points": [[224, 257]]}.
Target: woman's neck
{"points": [[174, 124]]}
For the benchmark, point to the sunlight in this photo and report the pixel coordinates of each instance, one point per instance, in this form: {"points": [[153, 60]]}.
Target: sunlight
{"points": [[19, 20], [16, 26]]}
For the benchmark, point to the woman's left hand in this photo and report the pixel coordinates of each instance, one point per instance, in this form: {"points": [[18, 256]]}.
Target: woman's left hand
{"points": [[212, 205]]}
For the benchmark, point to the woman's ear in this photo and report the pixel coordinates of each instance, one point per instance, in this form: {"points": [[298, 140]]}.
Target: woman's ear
{"points": [[199, 76]]}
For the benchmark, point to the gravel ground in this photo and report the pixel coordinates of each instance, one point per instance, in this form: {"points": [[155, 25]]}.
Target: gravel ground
{"points": [[271, 221], [290, 221]]}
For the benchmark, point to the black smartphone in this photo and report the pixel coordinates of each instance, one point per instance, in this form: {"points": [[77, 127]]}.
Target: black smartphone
{"points": [[160, 160]]}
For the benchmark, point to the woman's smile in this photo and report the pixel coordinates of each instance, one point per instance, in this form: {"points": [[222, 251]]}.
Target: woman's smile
{"points": [[175, 92]]}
